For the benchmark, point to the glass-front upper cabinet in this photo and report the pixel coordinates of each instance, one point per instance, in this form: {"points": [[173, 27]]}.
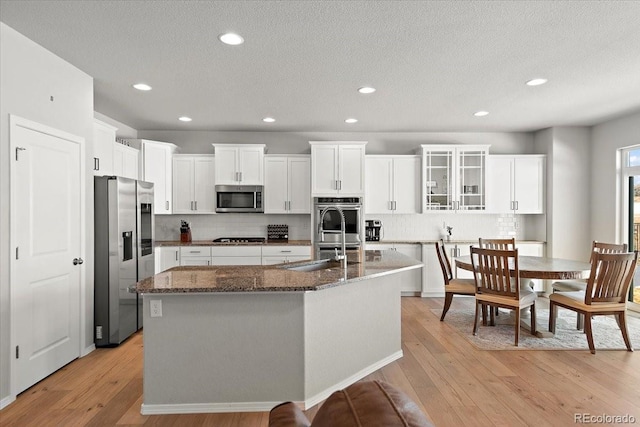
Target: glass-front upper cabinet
{"points": [[454, 177]]}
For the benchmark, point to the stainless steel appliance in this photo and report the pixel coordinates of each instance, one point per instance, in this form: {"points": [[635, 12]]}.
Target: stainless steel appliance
{"points": [[124, 254], [373, 230], [327, 236], [239, 198]]}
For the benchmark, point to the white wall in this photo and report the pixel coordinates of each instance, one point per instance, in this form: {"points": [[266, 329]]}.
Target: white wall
{"points": [[29, 77], [568, 152], [123, 131], [571, 216], [607, 138], [199, 142]]}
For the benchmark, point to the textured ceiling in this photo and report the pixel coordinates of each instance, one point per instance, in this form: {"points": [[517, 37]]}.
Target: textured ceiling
{"points": [[433, 63]]}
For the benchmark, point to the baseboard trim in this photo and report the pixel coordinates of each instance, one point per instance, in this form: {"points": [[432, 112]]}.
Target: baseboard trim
{"points": [[206, 408], [87, 350], [319, 397], [7, 401], [432, 294]]}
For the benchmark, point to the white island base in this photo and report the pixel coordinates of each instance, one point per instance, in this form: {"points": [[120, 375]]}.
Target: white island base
{"points": [[249, 351]]}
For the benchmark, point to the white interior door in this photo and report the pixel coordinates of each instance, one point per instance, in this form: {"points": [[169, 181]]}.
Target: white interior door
{"points": [[46, 237]]}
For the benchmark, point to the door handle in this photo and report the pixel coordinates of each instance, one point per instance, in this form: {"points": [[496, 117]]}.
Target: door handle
{"points": [[77, 261], [167, 205], [195, 205]]}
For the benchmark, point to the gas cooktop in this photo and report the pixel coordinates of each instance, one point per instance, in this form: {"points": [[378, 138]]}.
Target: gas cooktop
{"points": [[239, 240]]}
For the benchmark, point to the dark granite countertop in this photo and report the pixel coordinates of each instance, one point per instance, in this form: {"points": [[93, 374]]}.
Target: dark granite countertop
{"points": [[274, 278]]}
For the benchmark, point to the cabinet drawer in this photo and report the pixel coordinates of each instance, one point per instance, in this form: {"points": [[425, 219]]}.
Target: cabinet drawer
{"points": [[243, 251], [288, 251], [191, 251]]}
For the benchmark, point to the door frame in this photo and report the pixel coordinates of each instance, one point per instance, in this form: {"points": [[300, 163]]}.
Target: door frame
{"points": [[14, 122], [624, 172]]}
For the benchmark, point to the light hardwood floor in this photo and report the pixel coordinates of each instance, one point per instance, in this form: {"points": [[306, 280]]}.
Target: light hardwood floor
{"points": [[453, 382]]}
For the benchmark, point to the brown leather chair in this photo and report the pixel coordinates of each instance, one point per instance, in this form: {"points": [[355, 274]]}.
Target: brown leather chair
{"points": [[365, 403]]}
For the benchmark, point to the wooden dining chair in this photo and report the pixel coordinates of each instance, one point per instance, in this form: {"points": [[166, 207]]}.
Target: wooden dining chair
{"points": [[498, 284], [507, 245], [606, 293], [501, 244], [452, 286], [579, 285]]}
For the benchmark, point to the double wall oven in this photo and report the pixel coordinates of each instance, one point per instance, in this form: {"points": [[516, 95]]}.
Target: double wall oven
{"points": [[327, 235]]}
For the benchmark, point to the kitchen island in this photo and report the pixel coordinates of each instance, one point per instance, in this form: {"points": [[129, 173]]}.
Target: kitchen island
{"points": [[245, 338]]}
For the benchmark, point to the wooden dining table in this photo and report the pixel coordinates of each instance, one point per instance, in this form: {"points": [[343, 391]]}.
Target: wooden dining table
{"points": [[536, 267]]}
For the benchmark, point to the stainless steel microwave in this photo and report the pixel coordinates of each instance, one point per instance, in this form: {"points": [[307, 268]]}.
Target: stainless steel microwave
{"points": [[239, 198]]}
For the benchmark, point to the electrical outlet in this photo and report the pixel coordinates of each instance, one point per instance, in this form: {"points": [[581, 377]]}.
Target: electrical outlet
{"points": [[156, 307]]}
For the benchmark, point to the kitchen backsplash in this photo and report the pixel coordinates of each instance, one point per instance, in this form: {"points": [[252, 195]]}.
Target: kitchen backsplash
{"points": [[396, 227], [209, 227], [464, 226]]}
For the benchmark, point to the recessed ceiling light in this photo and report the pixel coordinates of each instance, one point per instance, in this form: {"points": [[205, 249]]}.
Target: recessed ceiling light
{"points": [[268, 120], [366, 89], [142, 86], [184, 119], [480, 113], [350, 121], [231, 39], [536, 82]]}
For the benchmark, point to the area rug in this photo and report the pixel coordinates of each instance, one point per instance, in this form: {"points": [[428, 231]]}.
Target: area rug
{"points": [[606, 334]]}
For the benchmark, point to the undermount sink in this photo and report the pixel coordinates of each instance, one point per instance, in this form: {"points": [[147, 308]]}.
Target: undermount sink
{"points": [[323, 264]]}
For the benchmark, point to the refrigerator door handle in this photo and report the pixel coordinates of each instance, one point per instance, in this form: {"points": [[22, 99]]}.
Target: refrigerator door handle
{"points": [[127, 245]]}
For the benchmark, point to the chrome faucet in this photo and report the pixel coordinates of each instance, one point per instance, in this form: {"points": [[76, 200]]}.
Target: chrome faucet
{"points": [[343, 238]]}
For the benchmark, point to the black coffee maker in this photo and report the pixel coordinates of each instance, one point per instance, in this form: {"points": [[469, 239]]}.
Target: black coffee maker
{"points": [[373, 230]]}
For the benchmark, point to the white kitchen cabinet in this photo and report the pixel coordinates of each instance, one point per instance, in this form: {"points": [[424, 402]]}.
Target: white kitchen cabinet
{"points": [[337, 168], [193, 184], [392, 184], [284, 254], [412, 280], [126, 161], [287, 184], [166, 257], [516, 184], [236, 255], [157, 165], [104, 138], [239, 164], [195, 255], [454, 177]]}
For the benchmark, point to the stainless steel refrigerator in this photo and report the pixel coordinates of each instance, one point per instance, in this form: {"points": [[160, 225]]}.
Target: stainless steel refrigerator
{"points": [[124, 255]]}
